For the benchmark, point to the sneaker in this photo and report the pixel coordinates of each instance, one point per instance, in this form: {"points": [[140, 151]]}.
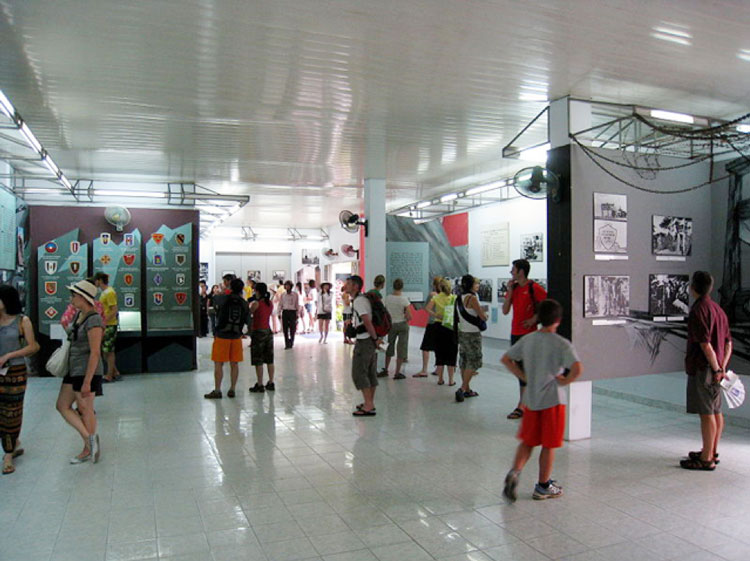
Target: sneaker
{"points": [[459, 395], [213, 394], [554, 491], [270, 386], [231, 393], [383, 373], [257, 388], [510, 491]]}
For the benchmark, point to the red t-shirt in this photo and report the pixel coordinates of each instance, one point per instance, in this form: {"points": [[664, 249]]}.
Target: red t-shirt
{"points": [[261, 315], [523, 307], [707, 323]]}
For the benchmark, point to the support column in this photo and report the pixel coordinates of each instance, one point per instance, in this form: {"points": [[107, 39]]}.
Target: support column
{"points": [[375, 174], [566, 116]]}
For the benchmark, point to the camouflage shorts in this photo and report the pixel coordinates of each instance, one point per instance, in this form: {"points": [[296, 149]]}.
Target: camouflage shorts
{"points": [[109, 338]]}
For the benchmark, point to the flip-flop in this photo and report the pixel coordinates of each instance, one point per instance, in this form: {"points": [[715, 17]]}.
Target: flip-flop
{"points": [[8, 468], [440, 383], [18, 452], [419, 375], [361, 405], [452, 384], [517, 413], [363, 413]]}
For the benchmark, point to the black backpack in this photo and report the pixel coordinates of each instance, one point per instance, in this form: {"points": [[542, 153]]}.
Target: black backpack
{"points": [[381, 317], [232, 317]]}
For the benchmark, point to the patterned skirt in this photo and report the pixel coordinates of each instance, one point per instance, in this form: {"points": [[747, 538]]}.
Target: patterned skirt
{"points": [[12, 390]]}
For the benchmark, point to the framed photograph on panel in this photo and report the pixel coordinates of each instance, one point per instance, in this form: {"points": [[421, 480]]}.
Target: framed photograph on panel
{"points": [[496, 245], [502, 288], [485, 290], [532, 247], [254, 275], [609, 206], [279, 276], [668, 295], [610, 236], [606, 296], [671, 235], [310, 257]]}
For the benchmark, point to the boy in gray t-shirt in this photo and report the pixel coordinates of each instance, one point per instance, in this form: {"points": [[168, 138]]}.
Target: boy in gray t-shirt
{"points": [[545, 356]]}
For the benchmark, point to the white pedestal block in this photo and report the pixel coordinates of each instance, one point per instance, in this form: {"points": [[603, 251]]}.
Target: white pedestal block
{"points": [[578, 412]]}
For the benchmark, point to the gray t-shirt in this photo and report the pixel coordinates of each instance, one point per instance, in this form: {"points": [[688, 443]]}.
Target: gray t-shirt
{"points": [[544, 356], [79, 346]]}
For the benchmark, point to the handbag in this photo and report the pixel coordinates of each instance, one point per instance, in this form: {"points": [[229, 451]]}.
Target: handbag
{"points": [[57, 365]]}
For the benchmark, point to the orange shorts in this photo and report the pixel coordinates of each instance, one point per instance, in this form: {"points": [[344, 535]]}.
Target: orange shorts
{"points": [[226, 350], [545, 427]]}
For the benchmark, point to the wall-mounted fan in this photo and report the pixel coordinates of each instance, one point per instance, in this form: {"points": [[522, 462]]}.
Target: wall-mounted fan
{"points": [[349, 251], [537, 183], [329, 252], [118, 216], [351, 222]]}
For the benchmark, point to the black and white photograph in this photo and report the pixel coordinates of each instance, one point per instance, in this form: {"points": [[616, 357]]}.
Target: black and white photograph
{"points": [[203, 272], [310, 257], [279, 276], [502, 288], [485, 290], [255, 275], [671, 235], [668, 295], [532, 247], [610, 206], [606, 296], [610, 236]]}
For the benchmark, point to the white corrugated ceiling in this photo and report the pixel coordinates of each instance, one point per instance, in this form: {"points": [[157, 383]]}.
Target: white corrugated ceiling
{"points": [[280, 99]]}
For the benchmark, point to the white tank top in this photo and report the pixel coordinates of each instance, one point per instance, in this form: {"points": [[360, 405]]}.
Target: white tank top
{"points": [[464, 325]]}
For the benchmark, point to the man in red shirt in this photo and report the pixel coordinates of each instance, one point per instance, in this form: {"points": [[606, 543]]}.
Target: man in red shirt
{"points": [[523, 296], [709, 347]]}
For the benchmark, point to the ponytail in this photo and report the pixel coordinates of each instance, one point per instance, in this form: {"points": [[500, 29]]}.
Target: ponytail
{"points": [[262, 288]]}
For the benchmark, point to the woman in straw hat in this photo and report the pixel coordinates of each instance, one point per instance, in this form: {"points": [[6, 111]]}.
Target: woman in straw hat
{"points": [[85, 370]]}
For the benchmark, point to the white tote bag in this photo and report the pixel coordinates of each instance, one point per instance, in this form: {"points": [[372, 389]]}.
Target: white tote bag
{"points": [[57, 365]]}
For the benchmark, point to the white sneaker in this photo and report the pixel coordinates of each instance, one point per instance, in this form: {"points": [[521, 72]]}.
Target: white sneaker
{"points": [[554, 491]]}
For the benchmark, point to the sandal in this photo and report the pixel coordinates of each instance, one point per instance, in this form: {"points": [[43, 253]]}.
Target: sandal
{"points": [[697, 456], [213, 394], [517, 413], [440, 383], [419, 375], [452, 384], [361, 405], [399, 376], [471, 393], [363, 413], [697, 464], [8, 466]]}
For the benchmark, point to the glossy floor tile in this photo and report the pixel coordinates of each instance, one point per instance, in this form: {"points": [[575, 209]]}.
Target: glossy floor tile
{"points": [[291, 475]]}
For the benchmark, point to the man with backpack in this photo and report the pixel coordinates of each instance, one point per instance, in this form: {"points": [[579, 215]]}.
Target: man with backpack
{"points": [[370, 321], [231, 318], [523, 296]]}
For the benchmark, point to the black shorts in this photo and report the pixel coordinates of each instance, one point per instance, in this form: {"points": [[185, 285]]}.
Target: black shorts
{"points": [[347, 316], [77, 382], [324, 316], [513, 340], [261, 347]]}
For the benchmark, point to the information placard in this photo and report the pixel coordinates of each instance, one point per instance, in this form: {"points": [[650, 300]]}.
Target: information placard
{"points": [[410, 262], [60, 263], [496, 245], [122, 262]]}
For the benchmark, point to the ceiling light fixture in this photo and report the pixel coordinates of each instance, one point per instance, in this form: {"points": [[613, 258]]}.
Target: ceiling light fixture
{"points": [[744, 54], [484, 188], [113, 193], [6, 106], [448, 198], [30, 138], [673, 35], [743, 128], [671, 116], [534, 153], [530, 96], [424, 204], [52, 166]]}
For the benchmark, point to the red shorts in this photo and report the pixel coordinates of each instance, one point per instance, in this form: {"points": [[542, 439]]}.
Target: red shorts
{"points": [[545, 427], [226, 350]]}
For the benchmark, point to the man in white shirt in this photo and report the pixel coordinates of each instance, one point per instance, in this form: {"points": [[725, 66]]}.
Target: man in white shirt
{"points": [[398, 306], [364, 360]]}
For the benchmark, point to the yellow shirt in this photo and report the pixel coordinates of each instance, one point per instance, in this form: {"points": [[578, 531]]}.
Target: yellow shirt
{"points": [[108, 298], [248, 291], [441, 301]]}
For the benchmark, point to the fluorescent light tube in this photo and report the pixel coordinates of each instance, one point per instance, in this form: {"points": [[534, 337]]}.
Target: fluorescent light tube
{"points": [[424, 204], [52, 166], [484, 188], [64, 181], [671, 116], [535, 154], [145, 194], [6, 106], [30, 138], [448, 198], [743, 128]]}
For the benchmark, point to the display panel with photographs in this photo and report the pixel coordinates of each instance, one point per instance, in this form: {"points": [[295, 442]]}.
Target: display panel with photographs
{"points": [[610, 223], [671, 235], [502, 288], [606, 296], [279, 276], [485, 290], [532, 247], [253, 274], [668, 295], [310, 257]]}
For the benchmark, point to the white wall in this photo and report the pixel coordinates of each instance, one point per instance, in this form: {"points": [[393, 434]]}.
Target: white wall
{"points": [[525, 216]]}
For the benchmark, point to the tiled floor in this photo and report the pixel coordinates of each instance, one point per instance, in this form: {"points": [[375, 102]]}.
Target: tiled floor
{"points": [[292, 475]]}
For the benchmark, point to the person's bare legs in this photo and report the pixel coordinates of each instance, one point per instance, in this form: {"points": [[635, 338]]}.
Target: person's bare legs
{"points": [[218, 375], [719, 429], [320, 330], [326, 326], [271, 372], [109, 359], [439, 369], [709, 433], [425, 362], [546, 462], [520, 396], [65, 400], [451, 374], [86, 410], [259, 373], [234, 374], [399, 364], [369, 399], [523, 453]]}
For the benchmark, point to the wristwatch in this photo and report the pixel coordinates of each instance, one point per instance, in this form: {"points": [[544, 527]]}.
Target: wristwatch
{"points": [[717, 371]]}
